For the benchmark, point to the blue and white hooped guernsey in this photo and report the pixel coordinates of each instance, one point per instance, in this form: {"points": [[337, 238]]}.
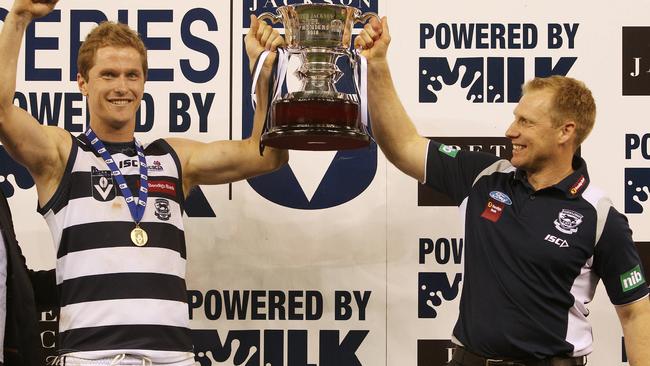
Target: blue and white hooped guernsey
{"points": [[117, 297]]}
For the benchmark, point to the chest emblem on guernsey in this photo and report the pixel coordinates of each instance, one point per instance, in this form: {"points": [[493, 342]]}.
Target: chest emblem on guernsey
{"points": [[162, 209], [155, 166], [495, 205], [568, 221], [103, 186]]}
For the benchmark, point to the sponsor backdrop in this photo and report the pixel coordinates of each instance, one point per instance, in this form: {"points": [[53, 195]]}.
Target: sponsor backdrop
{"points": [[338, 258]]}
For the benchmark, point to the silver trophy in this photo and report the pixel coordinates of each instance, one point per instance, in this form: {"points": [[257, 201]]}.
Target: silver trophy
{"points": [[317, 117]]}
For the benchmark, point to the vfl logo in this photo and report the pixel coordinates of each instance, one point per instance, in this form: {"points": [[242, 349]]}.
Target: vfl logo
{"points": [[8, 168], [349, 173], [103, 185], [567, 221], [435, 286], [162, 209], [637, 189]]}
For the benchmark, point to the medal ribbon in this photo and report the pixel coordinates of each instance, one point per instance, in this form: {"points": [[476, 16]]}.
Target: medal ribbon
{"points": [[137, 210]]}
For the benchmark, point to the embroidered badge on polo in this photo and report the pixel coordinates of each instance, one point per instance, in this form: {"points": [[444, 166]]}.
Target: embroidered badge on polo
{"points": [[501, 197], [567, 221], [578, 185], [632, 279], [493, 210]]}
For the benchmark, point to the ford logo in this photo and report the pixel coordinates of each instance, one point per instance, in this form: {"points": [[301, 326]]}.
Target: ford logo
{"points": [[501, 197]]}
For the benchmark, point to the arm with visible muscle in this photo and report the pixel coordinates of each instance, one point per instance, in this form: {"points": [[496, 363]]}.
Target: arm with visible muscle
{"points": [[635, 320], [228, 161], [43, 150], [391, 125]]}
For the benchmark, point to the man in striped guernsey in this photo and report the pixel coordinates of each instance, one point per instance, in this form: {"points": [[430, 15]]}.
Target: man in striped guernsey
{"points": [[121, 255], [538, 235]]}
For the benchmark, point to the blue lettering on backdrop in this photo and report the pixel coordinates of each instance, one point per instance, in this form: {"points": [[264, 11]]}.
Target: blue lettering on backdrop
{"points": [[436, 72], [145, 17], [177, 111], [211, 349], [433, 287], [635, 142], [278, 305], [349, 174], [33, 43], [156, 43], [485, 77], [199, 45]]}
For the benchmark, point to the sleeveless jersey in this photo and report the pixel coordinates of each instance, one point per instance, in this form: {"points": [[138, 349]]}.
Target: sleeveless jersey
{"points": [[117, 297]]}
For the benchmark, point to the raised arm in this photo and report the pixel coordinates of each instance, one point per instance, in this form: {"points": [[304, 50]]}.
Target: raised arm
{"points": [[228, 161], [391, 125], [635, 320], [43, 150]]}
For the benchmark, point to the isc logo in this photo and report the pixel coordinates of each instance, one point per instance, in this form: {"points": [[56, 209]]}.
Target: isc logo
{"points": [[557, 241]]}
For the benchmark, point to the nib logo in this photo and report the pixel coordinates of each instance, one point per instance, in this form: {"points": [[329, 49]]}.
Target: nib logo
{"points": [[632, 279]]}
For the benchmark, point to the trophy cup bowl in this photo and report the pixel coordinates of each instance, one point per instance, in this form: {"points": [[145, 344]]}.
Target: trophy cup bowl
{"points": [[317, 117]]}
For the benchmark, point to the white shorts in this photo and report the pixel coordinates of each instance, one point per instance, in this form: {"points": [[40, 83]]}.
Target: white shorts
{"points": [[119, 360]]}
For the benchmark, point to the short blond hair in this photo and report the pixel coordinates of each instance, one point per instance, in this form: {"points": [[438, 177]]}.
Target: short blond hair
{"points": [[571, 100], [109, 34]]}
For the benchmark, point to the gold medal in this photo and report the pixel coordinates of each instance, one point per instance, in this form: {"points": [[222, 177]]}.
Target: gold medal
{"points": [[139, 236]]}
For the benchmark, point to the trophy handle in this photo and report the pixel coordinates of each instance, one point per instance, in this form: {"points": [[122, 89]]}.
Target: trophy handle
{"points": [[269, 16], [366, 17]]}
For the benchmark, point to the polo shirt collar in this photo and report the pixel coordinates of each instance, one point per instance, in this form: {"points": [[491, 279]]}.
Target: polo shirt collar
{"points": [[572, 186]]}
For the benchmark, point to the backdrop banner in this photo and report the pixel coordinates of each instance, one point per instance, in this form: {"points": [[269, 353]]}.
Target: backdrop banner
{"points": [[339, 258]]}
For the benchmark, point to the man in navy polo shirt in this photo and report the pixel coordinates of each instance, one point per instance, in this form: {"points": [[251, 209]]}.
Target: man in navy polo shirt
{"points": [[538, 235]]}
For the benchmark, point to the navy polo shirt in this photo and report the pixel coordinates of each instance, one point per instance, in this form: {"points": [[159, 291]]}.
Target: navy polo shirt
{"points": [[533, 258]]}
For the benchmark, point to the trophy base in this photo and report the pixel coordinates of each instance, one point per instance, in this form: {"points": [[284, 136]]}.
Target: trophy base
{"points": [[315, 124]]}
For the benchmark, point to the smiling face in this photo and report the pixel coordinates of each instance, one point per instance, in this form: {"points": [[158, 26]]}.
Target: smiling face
{"points": [[114, 88], [535, 139]]}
